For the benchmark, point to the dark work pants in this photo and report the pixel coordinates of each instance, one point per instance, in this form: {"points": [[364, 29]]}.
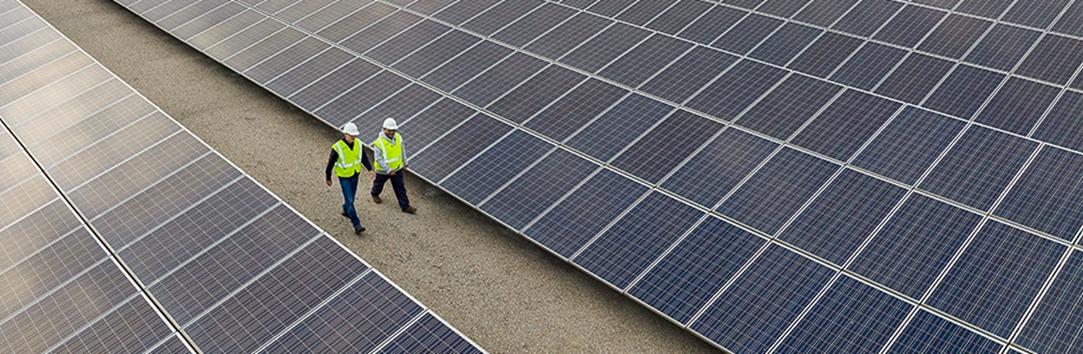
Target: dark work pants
{"points": [[398, 183], [349, 190]]}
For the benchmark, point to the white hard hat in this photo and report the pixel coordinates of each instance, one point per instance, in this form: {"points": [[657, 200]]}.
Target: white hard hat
{"points": [[351, 129], [391, 124]]}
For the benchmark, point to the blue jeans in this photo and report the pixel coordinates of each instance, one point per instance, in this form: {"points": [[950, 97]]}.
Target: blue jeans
{"points": [[397, 183], [349, 190]]}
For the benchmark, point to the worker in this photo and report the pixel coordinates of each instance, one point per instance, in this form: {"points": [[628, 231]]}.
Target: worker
{"points": [[390, 158], [346, 160]]}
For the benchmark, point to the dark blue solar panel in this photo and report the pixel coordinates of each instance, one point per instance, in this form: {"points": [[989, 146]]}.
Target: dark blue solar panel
{"points": [[675, 18], [1070, 21], [753, 312], [954, 36], [499, 79], [619, 126], [782, 8], [850, 318], [716, 169], [272, 302], [455, 72], [712, 24], [1048, 195], [774, 193], [843, 216], [746, 34], [460, 145], [496, 166], [642, 62], [585, 212], [538, 188], [368, 312], [1039, 14], [909, 144], [914, 78], [1062, 125], [443, 49], [825, 54], [786, 43], [736, 89], [869, 65], [571, 112], [824, 12], [1054, 59], [979, 167], [844, 126], [964, 91], [685, 279], [915, 245], [621, 253], [605, 47], [867, 16], [429, 335], [526, 100], [688, 74], [997, 277], [985, 8], [499, 15], [432, 123], [1018, 105], [647, 160], [1003, 47], [928, 333], [534, 24], [323, 90], [1053, 326], [567, 35], [909, 26]]}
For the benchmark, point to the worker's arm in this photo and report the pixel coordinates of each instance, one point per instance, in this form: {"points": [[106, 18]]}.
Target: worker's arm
{"points": [[330, 165], [365, 161], [378, 157]]}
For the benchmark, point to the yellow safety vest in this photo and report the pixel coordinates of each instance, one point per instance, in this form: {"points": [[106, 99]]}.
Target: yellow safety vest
{"points": [[349, 160], [392, 152]]}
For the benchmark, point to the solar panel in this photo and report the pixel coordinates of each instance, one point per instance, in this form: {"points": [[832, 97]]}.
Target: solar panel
{"points": [[870, 150], [123, 232]]}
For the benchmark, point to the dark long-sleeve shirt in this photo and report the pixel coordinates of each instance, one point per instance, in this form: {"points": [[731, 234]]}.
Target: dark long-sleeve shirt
{"points": [[334, 158]]}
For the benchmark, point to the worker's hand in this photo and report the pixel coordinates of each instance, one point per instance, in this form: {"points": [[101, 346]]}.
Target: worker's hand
{"points": [[328, 182], [372, 175], [392, 173]]}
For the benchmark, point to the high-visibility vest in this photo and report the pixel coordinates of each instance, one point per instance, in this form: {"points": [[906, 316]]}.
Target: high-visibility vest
{"points": [[349, 160], [392, 152]]}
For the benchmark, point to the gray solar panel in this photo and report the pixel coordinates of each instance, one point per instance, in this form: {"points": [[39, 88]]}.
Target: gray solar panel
{"points": [[123, 232], [824, 129]]}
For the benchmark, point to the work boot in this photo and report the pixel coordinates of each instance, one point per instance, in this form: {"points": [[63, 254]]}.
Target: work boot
{"points": [[410, 210], [376, 199], [345, 215], [359, 230]]}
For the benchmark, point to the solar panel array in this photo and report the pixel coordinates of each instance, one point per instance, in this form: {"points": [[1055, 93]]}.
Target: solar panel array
{"points": [[120, 231], [773, 175]]}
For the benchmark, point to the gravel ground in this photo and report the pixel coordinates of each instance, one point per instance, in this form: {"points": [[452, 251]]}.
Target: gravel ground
{"points": [[501, 290]]}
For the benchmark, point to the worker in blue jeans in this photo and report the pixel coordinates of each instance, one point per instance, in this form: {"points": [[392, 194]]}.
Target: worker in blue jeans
{"points": [[346, 162], [390, 157]]}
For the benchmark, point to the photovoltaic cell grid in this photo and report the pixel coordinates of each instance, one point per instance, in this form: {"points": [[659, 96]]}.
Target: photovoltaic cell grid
{"points": [[889, 140], [180, 250]]}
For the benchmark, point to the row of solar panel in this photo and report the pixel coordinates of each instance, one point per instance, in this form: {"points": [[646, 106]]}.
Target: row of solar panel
{"points": [[800, 109], [569, 227], [588, 42], [514, 140], [227, 261], [58, 280]]}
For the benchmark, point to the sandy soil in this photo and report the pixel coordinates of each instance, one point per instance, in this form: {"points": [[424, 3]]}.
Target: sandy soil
{"points": [[499, 289]]}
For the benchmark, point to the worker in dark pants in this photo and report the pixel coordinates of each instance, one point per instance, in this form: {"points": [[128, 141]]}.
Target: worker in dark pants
{"points": [[390, 159], [346, 161]]}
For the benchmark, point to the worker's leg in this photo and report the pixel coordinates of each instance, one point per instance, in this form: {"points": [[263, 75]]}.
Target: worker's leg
{"points": [[398, 183], [349, 190], [378, 184]]}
